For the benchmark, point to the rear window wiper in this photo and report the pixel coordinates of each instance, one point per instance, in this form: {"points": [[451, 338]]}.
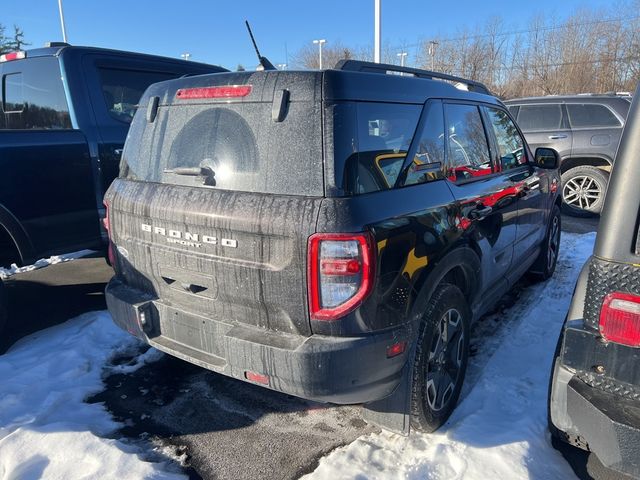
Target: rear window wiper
{"points": [[205, 172]]}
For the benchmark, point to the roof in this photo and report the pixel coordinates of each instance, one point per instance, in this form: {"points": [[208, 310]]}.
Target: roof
{"points": [[57, 48], [582, 98]]}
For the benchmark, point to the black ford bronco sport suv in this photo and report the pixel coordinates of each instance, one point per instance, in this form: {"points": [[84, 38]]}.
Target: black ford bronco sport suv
{"points": [[329, 234], [594, 400]]}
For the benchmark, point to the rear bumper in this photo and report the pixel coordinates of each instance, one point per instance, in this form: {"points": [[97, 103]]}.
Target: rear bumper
{"points": [[608, 422], [343, 370]]}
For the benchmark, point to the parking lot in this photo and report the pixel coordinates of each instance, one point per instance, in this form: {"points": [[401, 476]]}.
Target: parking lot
{"points": [[265, 434]]}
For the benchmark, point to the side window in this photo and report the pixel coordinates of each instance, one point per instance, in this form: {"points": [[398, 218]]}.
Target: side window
{"points": [[34, 99], [376, 148], [467, 147], [513, 109], [122, 89], [511, 149], [591, 115], [13, 99], [429, 157], [540, 117]]}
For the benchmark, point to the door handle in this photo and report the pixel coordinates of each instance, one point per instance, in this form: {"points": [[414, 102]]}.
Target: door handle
{"points": [[557, 137], [480, 212]]}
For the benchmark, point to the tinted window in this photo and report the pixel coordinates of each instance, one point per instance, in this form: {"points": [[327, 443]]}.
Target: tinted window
{"points": [[13, 96], [123, 88], [429, 157], [371, 141], [467, 147], [509, 142], [513, 109], [589, 115], [33, 96], [238, 145], [540, 117]]}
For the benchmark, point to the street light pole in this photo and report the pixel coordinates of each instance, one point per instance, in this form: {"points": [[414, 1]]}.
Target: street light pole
{"points": [[432, 51], [282, 66], [64, 30], [320, 43], [186, 55], [402, 56], [377, 27]]}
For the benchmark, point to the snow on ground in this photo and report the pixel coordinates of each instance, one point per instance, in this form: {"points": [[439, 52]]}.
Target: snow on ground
{"points": [[43, 262], [498, 430], [46, 429]]}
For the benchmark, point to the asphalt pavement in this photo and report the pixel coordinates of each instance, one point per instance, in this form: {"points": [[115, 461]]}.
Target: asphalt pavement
{"points": [[224, 428]]}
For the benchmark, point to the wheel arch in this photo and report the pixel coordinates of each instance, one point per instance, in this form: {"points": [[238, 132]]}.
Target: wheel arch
{"points": [[15, 235], [461, 267], [572, 162]]}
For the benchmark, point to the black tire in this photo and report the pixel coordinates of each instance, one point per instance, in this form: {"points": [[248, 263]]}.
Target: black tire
{"points": [[440, 367], [545, 265], [3, 308], [583, 190]]}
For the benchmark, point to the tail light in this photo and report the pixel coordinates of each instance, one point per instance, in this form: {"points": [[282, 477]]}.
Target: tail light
{"points": [[105, 224], [620, 318], [340, 273]]}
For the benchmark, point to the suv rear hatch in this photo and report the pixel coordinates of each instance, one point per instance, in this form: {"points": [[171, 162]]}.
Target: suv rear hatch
{"points": [[220, 187]]}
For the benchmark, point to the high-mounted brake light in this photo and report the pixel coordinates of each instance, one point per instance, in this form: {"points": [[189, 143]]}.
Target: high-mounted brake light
{"points": [[340, 273], [229, 91], [620, 318], [7, 57]]}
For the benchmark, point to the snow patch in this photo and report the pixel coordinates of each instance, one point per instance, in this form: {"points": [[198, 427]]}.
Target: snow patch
{"points": [[46, 428], [43, 262], [499, 429]]}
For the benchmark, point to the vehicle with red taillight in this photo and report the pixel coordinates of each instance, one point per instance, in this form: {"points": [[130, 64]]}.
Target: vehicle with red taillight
{"points": [[303, 230], [64, 116], [594, 395]]}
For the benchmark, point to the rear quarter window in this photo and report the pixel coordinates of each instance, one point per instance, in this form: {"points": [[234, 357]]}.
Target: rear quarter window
{"points": [[591, 116]]}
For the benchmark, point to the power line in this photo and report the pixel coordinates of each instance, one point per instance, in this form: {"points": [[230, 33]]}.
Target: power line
{"points": [[531, 30]]}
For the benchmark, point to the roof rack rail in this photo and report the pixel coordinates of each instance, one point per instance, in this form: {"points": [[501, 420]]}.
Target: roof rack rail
{"points": [[370, 67]]}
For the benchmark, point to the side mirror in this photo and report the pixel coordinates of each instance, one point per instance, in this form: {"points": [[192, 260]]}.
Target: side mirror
{"points": [[547, 158]]}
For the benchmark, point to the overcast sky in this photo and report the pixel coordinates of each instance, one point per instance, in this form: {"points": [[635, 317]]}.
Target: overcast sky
{"points": [[213, 31]]}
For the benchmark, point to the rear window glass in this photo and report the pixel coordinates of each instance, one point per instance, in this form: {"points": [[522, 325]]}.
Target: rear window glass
{"points": [[236, 146], [33, 96], [122, 89], [591, 115], [371, 142], [540, 117]]}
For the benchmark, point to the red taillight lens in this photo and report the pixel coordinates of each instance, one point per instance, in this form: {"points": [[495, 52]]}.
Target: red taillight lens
{"points": [[7, 57], [620, 318], [105, 220], [340, 273], [105, 223], [229, 91]]}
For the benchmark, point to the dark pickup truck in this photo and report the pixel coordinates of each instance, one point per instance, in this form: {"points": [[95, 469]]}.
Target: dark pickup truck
{"points": [[66, 112]]}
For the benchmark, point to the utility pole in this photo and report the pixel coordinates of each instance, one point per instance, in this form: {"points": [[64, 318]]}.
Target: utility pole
{"points": [[320, 43], [186, 55], [432, 51], [376, 31], [64, 30], [402, 56]]}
